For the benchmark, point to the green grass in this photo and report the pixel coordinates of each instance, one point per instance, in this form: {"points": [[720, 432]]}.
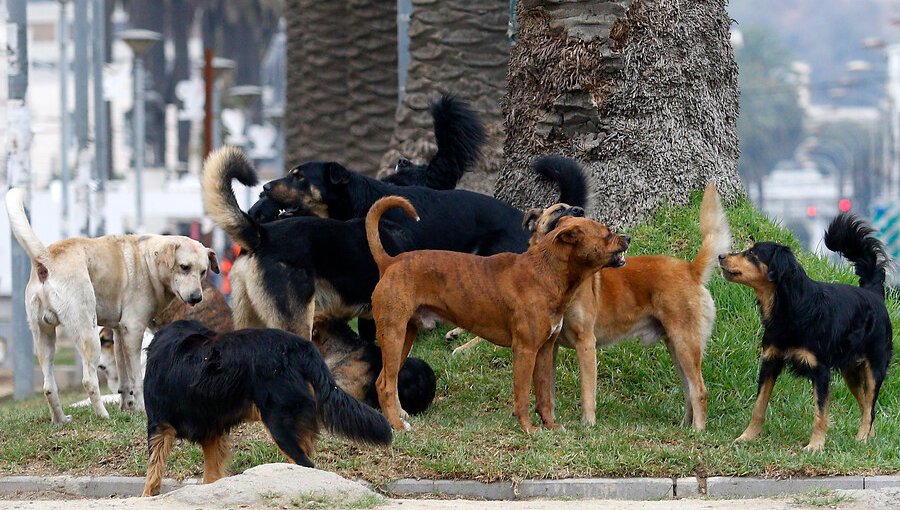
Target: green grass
{"points": [[470, 432]]}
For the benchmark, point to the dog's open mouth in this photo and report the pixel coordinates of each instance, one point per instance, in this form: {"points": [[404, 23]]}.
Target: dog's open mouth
{"points": [[289, 213], [617, 260], [728, 274]]}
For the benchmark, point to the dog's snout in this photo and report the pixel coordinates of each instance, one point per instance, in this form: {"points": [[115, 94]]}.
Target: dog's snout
{"points": [[195, 298], [101, 367], [627, 239], [267, 186], [403, 162], [721, 257], [577, 211]]}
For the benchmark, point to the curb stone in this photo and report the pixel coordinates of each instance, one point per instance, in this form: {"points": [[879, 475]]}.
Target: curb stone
{"points": [[755, 487], [612, 488]]}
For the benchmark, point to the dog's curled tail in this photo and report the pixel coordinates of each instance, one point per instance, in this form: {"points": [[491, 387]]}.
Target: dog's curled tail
{"points": [[460, 135], [567, 174], [853, 238], [339, 412], [219, 169], [373, 217], [716, 234], [18, 223]]}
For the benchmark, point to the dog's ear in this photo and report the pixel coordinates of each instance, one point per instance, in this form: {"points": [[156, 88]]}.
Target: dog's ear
{"points": [[337, 174], [166, 256], [213, 261], [529, 222], [781, 265], [570, 234]]}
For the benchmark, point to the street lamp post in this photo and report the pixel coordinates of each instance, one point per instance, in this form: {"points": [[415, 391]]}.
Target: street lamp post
{"points": [[140, 41], [64, 176], [222, 67], [243, 96]]}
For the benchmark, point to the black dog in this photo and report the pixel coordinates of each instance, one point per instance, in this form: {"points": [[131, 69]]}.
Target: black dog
{"points": [[356, 362], [200, 385], [459, 134], [454, 220], [816, 327], [290, 263]]}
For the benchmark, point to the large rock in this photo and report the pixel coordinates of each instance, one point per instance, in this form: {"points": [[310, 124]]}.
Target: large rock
{"points": [[274, 482]]}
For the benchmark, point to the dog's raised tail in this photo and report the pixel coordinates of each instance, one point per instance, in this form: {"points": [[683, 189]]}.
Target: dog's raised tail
{"points": [[373, 218], [460, 136], [853, 238], [219, 169], [716, 234], [567, 174], [341, 413], [21, 228]]}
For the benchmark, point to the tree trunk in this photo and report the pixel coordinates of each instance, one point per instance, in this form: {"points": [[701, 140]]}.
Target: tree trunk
{"points": [[642, 92], [317, 100], [372, 81], [460, 47]]}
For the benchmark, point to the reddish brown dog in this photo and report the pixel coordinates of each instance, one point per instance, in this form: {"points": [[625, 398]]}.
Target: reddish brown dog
{"points": [[512, 300]]}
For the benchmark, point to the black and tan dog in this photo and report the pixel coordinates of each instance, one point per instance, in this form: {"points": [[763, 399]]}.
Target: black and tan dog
{"points": [[201, 384], [356, 362], [652, 298], [513, 300], [816, 327]]}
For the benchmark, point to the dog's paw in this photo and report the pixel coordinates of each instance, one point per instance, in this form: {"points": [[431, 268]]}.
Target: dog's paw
{"points": [[453, 334], [406, 426], [66, 418], [814, 446]]}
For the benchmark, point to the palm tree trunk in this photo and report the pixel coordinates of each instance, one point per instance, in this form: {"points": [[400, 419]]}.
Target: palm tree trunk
{"points": [[371, 80], [317, 100], [460, 47], [642, 92]]}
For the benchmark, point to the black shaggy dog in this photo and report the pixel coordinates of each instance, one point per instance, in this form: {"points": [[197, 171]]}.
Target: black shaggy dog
{"points": [[200, 385], [454, 220], [288, 264], [459, 134], [356, 362], [815, 327]]}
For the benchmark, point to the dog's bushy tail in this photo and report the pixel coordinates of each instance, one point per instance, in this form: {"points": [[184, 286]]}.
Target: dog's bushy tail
{"points": [[219, 169], [339, 412], [373, 217], [716, 234], [460, 135], [853, 238], [21, 228], [567, 174]]}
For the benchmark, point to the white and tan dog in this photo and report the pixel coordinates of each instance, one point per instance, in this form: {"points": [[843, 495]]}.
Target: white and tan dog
{"points": [[116, 281]]}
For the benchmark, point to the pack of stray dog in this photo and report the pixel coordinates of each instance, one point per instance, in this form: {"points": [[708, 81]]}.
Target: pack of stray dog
{"points": [[325, 245]]}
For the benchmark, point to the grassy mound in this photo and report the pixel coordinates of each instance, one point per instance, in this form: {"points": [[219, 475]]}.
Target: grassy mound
{"points": [[470, 432]]}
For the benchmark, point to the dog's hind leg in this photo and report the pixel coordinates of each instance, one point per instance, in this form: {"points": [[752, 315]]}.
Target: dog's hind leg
{"points": [[89, 341], [159, 442], [821, 381], [861, 383], [215, 455], [45, 342], [294, 431], [688, 354], [768, 373], [392, 349]]}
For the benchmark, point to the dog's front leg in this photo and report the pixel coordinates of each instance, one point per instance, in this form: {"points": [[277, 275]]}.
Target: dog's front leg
{"points": [[523, 369], [768, 373], [821, 381], [131, 384], [544, 381]]}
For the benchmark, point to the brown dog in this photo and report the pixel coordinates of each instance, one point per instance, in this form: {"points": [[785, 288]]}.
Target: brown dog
{"points": [[513, 300], [652, 298]]}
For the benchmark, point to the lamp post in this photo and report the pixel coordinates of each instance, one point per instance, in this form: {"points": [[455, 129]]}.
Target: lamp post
{"points": [[222, 67], [243, 95], [64, 114], [140, 41]]}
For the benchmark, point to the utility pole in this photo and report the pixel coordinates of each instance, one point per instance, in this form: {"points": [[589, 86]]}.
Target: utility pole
{"points": [[18, 174], [81, 100], [101, 159], [64, 114]]}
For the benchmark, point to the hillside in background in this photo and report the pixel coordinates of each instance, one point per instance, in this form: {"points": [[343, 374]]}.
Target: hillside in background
{"points": [[827, 34]]}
